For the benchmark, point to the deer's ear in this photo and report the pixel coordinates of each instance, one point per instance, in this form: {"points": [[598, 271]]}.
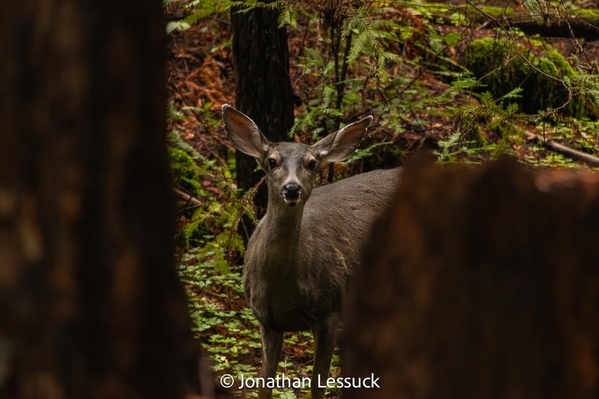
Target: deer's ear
{"points": [[244, 133], [341, 144]]}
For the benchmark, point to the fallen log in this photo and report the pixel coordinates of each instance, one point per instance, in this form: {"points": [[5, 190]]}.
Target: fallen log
{"points": [[562, 149]]}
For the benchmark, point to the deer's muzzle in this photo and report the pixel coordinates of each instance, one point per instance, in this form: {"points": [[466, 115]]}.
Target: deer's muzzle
{"points": [[292, 193]]}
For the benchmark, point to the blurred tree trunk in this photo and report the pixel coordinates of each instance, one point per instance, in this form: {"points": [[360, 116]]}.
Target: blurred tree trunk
{"points": [[90, 302], [262, 87], [481, 284]]}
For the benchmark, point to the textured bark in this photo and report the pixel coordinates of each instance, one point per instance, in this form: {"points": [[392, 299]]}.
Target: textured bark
{"points": [[90, 302], [262, 86], [481, 284]]}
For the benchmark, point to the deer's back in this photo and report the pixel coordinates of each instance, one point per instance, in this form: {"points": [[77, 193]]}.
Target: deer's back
{"points": [[338, 217], [337, 221]]}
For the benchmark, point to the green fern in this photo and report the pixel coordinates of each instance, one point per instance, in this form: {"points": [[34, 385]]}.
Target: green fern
{"points": [[189, 168]]}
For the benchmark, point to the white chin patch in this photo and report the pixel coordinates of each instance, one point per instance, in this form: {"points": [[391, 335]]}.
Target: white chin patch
{"points": [[291, 201]]}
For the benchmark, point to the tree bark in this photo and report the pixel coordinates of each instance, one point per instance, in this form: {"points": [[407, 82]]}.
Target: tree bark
{"points": [[481, 284], [90, 302], [262, 86]]}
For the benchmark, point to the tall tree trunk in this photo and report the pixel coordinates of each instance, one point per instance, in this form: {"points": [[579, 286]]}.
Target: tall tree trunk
{"points": [[481, 283], [262, 86], [90, 302]]}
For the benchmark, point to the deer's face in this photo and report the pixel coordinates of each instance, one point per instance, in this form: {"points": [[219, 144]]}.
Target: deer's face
{"points": [[291, 169]]}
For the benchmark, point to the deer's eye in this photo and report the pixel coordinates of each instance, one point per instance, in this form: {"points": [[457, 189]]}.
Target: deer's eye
{"points": [[272, 163], [311, 165]]}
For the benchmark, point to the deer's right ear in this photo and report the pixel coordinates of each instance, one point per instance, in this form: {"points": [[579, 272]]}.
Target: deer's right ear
{"points": [[244, 133]]}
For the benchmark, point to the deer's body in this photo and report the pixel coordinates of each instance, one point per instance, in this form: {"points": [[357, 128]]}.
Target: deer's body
{"points": [[303, 256], [311, 257]]}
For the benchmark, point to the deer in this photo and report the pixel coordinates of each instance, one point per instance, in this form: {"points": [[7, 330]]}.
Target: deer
{"points": [[303, 257]]}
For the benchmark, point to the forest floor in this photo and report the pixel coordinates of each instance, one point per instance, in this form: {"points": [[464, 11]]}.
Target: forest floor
{"points": [[200, 80]]}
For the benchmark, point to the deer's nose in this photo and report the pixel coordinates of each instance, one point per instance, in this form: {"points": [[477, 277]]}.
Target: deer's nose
{"points": [[292, 191]]}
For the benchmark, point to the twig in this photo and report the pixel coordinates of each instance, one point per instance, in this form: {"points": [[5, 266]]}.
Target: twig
{"points": [[562, 149], [187, 197]]}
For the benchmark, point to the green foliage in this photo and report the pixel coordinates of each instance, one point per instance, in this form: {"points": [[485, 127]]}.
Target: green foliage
{"points": [[467, 144], [369, 38], [546, 81], [177, 25], [190, 168], [185, 171], [587, 85], [377, 80], [226, 351], [459, 19], [201, 9], [578, 135]]}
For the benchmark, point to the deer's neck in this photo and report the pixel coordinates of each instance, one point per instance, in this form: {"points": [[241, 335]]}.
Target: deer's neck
{"points": [[284, 222], [274, 249]]}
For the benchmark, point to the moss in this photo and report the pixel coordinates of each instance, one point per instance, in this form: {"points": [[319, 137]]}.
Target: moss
{"points": [[185, 170], [494, 10], [588, 14], [444, 8], [501, 67]]}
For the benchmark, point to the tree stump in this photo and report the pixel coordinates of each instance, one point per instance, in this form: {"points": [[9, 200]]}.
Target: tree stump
{"points": [[480, 283]]}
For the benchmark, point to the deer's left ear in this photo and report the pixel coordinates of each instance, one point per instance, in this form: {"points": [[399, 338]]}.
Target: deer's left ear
{"points": [[341, 144]]}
